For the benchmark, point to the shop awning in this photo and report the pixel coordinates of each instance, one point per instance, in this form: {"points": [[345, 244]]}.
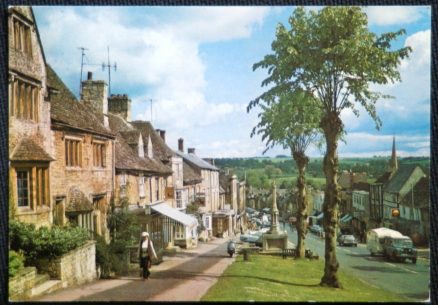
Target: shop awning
{"points": [[175, 214]]}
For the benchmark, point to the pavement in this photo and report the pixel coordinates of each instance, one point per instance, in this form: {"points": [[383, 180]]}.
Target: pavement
{"points": [[184, 276]]}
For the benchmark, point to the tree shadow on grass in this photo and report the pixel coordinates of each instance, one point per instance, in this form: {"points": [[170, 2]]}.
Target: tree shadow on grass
{"points": [[184, 274]]}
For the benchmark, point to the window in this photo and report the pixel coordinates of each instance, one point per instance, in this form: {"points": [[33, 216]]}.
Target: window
{"points": [[23, 99], [23, 186], [179, 232], [157, 187], [22, 37], [42, 186], [141, 192], [207, 222], [73, 153], [98, 154], [179, 203], [33, 186], [123, 179]]}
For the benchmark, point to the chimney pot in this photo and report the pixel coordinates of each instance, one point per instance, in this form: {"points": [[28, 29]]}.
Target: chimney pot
{"points": [[181, 144], [90, 75], [191, 150]]}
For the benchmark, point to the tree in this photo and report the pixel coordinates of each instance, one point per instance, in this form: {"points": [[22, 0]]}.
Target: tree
{"points": [[332, 54], [291, 120]]}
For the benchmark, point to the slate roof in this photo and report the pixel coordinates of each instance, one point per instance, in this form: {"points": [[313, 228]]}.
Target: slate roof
{"points": [[399, 178], [196, 161], [160, 148], [28, 150], [131, 137], [421, 194], [126, 157], [190, 176], [66, 109], [78, 201]]}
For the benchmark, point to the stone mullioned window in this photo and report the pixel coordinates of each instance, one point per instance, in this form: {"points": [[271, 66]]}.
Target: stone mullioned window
{"points": [[99, 154], [73, 153], [21, 36], [23, 99], [32, 186]]}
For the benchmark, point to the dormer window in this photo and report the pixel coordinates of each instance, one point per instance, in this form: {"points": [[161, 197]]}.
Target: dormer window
{"points": [[150, 150], [22, 37]]}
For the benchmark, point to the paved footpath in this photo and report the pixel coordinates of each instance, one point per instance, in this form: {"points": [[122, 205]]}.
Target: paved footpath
{"points": [[185, 276]]}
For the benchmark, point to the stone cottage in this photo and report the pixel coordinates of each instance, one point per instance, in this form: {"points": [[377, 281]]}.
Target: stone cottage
{"points": [[83, 172], [31, 146]]}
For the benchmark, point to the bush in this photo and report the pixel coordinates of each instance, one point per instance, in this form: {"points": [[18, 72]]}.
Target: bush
{"points": [[16, 262], [45, 242]]}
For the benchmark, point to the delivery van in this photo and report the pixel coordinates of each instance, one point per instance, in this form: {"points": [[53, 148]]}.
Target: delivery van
{"points": [[376, 239]]}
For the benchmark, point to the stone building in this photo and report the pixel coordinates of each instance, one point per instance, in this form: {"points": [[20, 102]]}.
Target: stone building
{"points": [[208, 192], [31, 147], [83, 172]]}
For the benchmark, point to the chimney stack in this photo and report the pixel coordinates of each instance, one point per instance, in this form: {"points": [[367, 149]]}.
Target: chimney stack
{"points": [[94, 94], [181, 145], [191, 150], [163, 134], [120, 104]]}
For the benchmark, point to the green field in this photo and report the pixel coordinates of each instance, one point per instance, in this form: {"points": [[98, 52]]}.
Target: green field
{"points": [[271, 278]]}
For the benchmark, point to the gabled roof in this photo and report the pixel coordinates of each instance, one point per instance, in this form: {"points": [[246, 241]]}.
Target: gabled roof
{"points": [[190, 176], [126, 157], [421, 194], [78, 201], [28, 150], [160, 148], [67, 111], [196, 161], [398, 180], [131, 137]]}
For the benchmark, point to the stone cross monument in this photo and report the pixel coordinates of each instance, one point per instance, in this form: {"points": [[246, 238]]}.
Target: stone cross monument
{"points": [[274, 240], [274, 214]]}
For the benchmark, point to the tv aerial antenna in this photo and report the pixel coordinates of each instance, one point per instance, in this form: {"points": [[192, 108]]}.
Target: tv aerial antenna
{"points": [[109, 66]]}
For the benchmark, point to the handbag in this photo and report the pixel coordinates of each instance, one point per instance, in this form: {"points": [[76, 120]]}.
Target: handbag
{"points": [[149, 263]]}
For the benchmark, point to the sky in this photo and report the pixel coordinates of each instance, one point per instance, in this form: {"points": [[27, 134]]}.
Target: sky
{"points": [[195, 65]]}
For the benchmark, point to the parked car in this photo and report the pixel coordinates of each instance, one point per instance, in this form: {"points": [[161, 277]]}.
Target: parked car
{"points": [[399, 249], [347, 240], [251, 237], [315, 229]]}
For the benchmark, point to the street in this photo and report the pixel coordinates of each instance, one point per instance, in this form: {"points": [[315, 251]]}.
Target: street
{"points": [[407, 279]]}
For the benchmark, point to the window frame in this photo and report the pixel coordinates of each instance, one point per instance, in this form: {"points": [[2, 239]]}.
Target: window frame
{"points": [[73, 152], [28, 172]]}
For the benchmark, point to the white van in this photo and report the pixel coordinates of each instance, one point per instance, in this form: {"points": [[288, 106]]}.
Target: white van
{"points": [[375, 239]]}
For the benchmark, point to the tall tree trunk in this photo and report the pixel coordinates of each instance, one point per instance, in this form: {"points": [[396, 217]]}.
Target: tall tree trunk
{"points": [[301, 160], [332, 127]]}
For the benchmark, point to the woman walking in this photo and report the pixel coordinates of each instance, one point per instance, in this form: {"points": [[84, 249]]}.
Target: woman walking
{"points": [[147, 252]]}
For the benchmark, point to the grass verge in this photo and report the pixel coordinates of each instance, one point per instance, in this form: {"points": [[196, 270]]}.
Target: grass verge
{"points": [[271, 278]]}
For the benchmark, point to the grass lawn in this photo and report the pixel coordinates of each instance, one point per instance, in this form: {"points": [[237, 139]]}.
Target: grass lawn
{"points": [[271, 278]]}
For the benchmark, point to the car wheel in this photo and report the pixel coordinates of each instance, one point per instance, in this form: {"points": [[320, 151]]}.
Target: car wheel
{"points": [[414, 260], [372, 253]]}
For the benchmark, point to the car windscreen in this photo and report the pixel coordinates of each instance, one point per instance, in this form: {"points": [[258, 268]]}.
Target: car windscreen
{"points": [[403, 242]]}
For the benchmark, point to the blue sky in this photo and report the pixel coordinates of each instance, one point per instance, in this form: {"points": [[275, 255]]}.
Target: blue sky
{"points": [[195, 63]]}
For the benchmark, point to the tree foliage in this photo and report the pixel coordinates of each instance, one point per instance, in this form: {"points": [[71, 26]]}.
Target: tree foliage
{"points": [[331, 54]]}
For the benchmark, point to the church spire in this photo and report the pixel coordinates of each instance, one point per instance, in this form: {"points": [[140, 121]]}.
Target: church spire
{"points": [[393, 165]]}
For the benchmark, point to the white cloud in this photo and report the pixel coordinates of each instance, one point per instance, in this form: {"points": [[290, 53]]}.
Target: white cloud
{"points": [[389, 15], [412, 94], [163, 59]]}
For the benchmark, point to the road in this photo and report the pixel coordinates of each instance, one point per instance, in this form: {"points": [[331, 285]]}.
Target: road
{"points": [[407, 279]]}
